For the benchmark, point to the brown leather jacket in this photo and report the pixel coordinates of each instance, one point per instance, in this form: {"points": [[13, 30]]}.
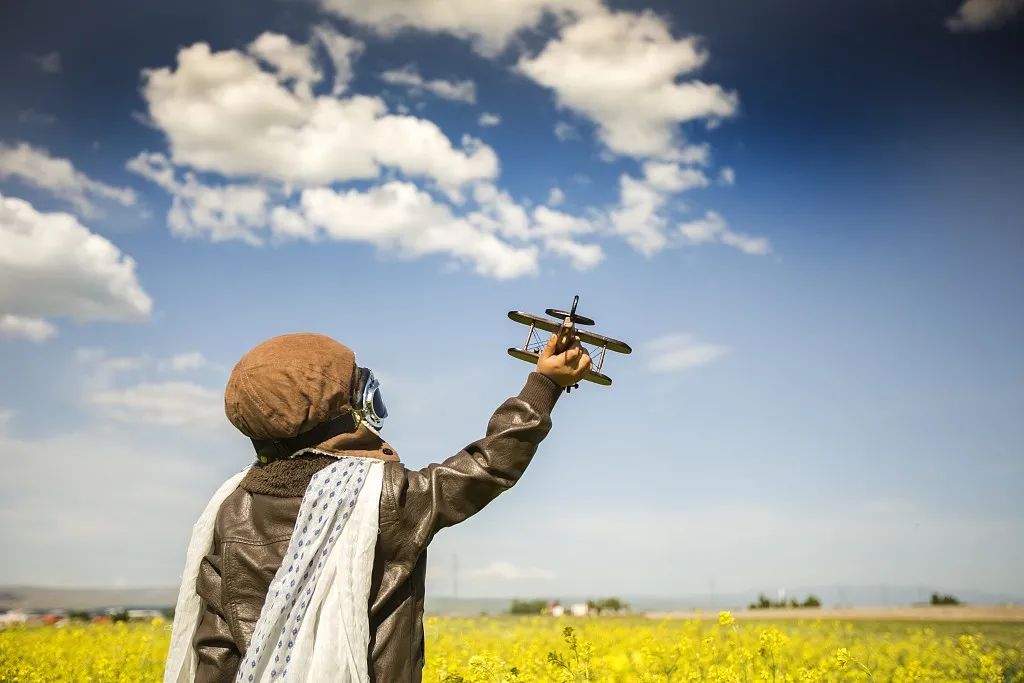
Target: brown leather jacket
{"points": [[255, 524]]}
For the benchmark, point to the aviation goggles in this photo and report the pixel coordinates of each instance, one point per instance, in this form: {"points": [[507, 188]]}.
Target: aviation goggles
{"points": [[367, 402]]}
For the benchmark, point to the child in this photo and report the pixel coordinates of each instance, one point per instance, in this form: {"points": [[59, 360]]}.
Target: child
{"points": [[310, 564]]}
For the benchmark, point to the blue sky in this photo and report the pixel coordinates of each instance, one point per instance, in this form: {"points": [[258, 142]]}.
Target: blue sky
{"points": [[805, 218]]}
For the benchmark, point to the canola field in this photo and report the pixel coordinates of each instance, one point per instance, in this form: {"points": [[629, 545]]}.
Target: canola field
{"points": [[616, 650]]}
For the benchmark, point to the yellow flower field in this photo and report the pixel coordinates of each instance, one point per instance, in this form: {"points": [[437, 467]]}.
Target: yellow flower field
{"points": [[500, 649]]}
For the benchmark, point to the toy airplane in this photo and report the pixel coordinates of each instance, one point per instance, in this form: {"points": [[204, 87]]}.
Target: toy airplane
{"points": [[599, 345]]}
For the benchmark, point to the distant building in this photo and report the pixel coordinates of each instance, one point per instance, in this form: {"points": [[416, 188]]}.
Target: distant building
{"points": [[144, 614], [579, 609], [13, 617]]}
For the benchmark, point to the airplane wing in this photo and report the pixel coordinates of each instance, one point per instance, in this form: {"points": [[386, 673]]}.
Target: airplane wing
{"points": [[531, 357], [549, 325]]}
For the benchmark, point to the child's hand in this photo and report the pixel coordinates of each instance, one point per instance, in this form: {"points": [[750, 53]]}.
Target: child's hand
{"points": [[566, 368]]}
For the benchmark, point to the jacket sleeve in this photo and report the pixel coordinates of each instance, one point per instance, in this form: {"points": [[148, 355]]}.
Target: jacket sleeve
{"points": [[419, 503], [216, 651]]}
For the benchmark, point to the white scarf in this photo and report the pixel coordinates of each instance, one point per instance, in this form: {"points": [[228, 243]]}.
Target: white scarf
{"points": [[314, 625]]}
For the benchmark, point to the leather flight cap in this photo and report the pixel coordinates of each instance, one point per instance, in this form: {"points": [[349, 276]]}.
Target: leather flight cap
{"points": [[277, 449]]}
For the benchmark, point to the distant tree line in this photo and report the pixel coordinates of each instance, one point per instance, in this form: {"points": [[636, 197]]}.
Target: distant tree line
{"points": [[944, 599], [541, 606], [764, 603], [528, 606]]}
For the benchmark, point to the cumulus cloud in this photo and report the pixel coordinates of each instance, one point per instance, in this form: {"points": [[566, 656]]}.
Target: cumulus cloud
{"points": [[223, 112], [670, 177], [679, 352], [507, 571], [21, 327], [32, 117], [565, 131], [727, 176], [253, 116], [489, 120], [64, 517], [342, 51], [489, 26], [409, 77], [48, 63], [183, 362], [623, 70], [497, 239], [36, 167], [638, 218], [557, 231], [712, 228], [217, 212], [980, 15], [554, 230], [290, 61], [51, 265], [166, 404], [105, 372], [400, 218]]}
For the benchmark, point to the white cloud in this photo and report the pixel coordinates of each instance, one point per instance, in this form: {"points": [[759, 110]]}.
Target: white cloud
{"points": [[507, 571], [291, 62], [101, 371], [64, 518], [679, 352], [640, 216], [488, 26], [399, 217], [581, 256], [489, 120], [21, 327], [552, 223], [167, 404], [408, 76], [222, 112], [51, 265], [670, 177], [33, 117], [565, 131], [555, 196], [556, 229], [342, 51], [216, 212], [696, 154], [713, 228], [35, 167], [727, 176], [637, 218], [182, 362], [499, 213], [49, 63], [979, 15], [623, 71]]}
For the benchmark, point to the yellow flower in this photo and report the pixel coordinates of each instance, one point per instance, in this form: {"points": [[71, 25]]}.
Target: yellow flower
{"points": [[842, 657], [726, 618]]}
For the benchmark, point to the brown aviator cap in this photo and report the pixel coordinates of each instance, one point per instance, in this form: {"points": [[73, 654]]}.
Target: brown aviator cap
{"points": [[288, 385]]}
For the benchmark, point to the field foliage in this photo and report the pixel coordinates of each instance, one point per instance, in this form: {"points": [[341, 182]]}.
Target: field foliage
{"points": [[509, 649]]}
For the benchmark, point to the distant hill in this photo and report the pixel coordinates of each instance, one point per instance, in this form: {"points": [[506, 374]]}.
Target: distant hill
{"points": [[36, 597]]}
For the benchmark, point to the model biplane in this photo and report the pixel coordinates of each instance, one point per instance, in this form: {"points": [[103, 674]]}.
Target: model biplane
{"points": [[596, 345]]}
